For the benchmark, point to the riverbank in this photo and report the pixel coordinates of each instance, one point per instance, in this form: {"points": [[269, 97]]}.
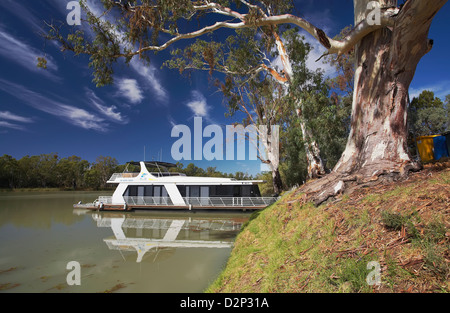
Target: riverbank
{"points": [[403, 228]]}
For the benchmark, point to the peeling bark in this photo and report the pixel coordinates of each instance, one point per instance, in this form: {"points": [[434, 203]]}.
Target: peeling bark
{"points": [[315, 167], [277, 182], [269, 138], [323, 38]]}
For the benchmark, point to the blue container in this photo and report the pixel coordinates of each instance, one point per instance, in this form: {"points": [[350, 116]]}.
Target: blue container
{"points": [[440, 147]]}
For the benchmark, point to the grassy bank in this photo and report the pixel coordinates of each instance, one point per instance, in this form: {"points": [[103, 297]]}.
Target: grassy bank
{"points": [[297, 247]]}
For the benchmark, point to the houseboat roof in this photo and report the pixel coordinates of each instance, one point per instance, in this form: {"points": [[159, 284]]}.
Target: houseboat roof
{"points": [[154, 163]]}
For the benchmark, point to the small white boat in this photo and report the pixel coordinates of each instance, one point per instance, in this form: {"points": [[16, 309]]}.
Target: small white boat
{"points": [[169, 190]]}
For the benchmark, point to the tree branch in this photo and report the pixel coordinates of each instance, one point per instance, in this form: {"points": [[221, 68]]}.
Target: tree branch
{"points": [[217, 8], [275, 74], [333, 46]]}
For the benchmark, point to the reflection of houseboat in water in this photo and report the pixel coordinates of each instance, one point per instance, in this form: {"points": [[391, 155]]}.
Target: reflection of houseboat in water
{"points": [[143, 233], [169, 190]]}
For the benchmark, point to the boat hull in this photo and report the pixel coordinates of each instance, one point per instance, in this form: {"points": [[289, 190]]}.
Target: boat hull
{"points": [[121, 207]]}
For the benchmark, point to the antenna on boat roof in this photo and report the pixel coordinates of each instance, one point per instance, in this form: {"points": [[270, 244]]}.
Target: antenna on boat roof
{"points": [[144, 153]]}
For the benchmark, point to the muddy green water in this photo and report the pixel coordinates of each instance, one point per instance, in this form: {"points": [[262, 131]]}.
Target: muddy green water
{"points": [[168, 252]]}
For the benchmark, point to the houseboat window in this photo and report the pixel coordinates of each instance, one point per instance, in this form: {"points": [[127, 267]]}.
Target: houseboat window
{"points": [[131, 191], [219, 191], [148, 191], [255, 191], [204, 191], [159, 191], [247, 191], [224, 191], [145, 191], [194, 191], [182, 190]]}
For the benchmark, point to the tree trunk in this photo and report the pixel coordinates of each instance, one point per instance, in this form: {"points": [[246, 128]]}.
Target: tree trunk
{"points": [[316, 168], [386, 61], [269, 138], [277, 182]]}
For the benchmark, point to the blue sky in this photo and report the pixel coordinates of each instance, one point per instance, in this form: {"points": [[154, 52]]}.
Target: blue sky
{"points": [[60, 109]]}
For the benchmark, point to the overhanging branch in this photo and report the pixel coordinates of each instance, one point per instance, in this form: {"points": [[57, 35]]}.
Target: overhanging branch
{"points": [[387, 18]]}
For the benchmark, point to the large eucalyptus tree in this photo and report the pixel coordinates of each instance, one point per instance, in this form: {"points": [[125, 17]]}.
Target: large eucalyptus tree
{"points": [[389, 41]]}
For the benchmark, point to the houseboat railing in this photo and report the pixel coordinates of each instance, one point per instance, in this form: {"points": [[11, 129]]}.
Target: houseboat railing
{"points": [[196, 201], [230, 201], [141, 200], [119, 176], [104, 199]]}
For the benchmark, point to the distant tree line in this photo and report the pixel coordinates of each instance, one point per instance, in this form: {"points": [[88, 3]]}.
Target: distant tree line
{"points": [[51, 171], [428, 115]]}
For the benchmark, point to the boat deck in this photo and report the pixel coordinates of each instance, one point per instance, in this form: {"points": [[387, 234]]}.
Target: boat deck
{"points": [[192, 203]]}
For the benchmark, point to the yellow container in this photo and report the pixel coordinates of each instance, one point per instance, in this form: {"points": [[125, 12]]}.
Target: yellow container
{"points": [[426, 147]]}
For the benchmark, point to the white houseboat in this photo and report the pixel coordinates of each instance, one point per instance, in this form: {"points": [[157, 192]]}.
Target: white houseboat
{"points": [[169, 190]]}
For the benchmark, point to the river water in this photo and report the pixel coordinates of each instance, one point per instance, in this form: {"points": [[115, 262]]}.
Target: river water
{"points": [[47, 246]]}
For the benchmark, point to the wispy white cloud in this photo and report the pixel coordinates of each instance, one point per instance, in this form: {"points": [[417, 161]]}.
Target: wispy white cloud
{"points": [[109, 112], [71, 114], [129, 89], [441, 89], [78, 117], [172, 121], [25, 55], [317, 51], [198, 104], [147, 72], [6, 124], [23, 12], [6, 115], [13, 121], [150, 75]]}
